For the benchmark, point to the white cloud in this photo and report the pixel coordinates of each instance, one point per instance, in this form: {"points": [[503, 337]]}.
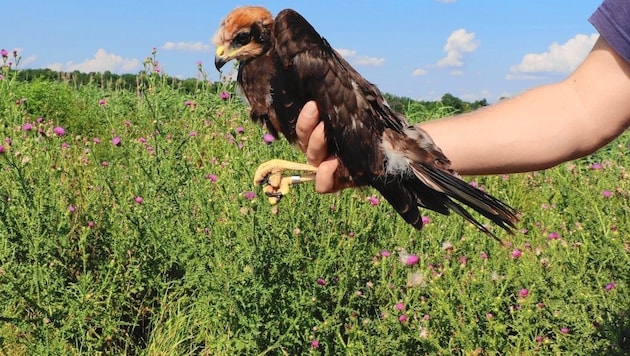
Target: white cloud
{"points": [[186, 46], [368, 61], [458, 43], [101, 62], [346, 52], [25, 61], [474, 96], [560, 58], [457, 73], [419, 71], [351, 56]]}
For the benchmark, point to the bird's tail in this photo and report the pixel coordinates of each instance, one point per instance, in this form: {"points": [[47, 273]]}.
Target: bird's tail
{"points": [[449, 189]]}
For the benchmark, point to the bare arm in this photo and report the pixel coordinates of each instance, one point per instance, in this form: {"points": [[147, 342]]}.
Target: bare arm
{"points": [[535, 130], [544, 126]]}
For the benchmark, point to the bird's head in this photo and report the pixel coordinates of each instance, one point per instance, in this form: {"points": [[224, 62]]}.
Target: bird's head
{"points": [[245, 33]]}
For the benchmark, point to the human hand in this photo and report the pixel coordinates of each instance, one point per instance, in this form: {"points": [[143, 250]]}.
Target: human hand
{"points": [[312, 141]]}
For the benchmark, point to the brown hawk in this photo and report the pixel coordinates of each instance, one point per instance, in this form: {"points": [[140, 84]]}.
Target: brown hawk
{"points": [[284, 62]]}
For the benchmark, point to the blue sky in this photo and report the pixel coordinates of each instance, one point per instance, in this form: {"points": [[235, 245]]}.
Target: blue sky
{"points": [[421, 49]]}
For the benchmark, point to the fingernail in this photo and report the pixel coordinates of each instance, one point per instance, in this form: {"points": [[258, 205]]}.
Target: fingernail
{"points": [[310, 108]]}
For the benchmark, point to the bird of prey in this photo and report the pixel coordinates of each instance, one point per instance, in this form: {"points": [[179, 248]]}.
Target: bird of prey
{"points": [[284, 62]]}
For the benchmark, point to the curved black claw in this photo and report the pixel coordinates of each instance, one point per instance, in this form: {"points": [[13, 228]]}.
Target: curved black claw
{"points": [[277, 195], [264, 181]]}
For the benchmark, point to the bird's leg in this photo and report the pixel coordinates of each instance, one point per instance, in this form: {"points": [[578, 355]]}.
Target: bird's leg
{"points": [[275, 185]]}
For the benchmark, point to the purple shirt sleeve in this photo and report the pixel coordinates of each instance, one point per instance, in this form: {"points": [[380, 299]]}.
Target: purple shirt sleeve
{"points": [[612, 21]]}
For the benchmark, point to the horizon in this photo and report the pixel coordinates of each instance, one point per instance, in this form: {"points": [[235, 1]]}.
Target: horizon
{"points": [[475, 50]]}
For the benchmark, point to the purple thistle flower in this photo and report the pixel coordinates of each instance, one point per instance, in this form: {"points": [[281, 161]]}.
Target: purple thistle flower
{"points": [[59, 131], [192, 133], [610, 286], [516, 254], [315, 344], [523, 293], [249, 195], [373, 200], [116, 141], [400, 306], [411, 260], [553, 236], [426, 220], [321, 281], [268, 138], [27, 126], [240, 130], [64, 145], [211, 177], [71, 208], [102, 102], [4, 53], [484, 255], [224, 95], [187, 103], [402, 318], [1, 149], [90, 224], [564, 330], [596, 166], [607, 194], [385, 253], [138, 199]]}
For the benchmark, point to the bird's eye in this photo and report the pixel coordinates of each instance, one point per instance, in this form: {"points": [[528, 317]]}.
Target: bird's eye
{"points": [[241, 39]]}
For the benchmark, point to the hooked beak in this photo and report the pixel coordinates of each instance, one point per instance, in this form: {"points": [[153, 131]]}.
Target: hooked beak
{"points": [[220, 59]]}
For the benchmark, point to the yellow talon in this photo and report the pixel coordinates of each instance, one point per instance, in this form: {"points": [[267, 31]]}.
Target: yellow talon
{"points": [[275, 185]]}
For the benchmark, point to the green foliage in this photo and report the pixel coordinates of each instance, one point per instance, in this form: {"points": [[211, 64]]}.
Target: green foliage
{"points": [[134, 231]]}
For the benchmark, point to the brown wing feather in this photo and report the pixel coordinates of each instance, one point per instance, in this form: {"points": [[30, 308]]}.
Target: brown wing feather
{"points": [[357, 118]]}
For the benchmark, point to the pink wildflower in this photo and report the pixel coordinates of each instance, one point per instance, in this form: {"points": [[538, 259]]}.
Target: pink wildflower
{"points": [[268, 138], [516, 253], [610, 286], [59, 131]]}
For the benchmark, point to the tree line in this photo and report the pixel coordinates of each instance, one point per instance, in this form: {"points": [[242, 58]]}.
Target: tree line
{"points": [[109, 80]]}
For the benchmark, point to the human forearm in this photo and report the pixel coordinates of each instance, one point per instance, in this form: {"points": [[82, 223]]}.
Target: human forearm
{"points": [[517, 135], [545, 126]]}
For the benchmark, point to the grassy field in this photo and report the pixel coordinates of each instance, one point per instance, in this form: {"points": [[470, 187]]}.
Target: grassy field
{"points": [[129, 224]]}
